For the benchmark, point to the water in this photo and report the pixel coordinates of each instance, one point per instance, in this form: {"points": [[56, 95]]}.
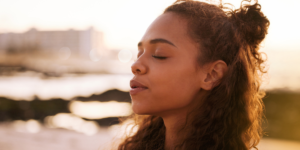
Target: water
{"points": [[67, 87]]}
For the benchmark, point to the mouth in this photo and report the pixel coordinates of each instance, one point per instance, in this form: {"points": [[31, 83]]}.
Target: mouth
{"points": [[136, 87], [135, 84]]}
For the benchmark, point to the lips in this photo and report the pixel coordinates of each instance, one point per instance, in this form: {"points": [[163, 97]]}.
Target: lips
{"points": [[136, 87]]}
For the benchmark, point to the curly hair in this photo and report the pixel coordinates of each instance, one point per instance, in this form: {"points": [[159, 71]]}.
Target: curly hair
{"points": [[230, 117]]}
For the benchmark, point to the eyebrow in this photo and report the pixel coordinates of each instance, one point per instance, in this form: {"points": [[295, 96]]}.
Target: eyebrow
{"points": [[158, 40]]}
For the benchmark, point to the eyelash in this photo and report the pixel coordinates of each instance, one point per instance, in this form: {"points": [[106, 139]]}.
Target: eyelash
{"points": [[159, 57]]}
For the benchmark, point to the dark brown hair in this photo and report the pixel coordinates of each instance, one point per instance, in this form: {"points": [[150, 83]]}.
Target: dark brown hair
{"points": [[230, 116]]}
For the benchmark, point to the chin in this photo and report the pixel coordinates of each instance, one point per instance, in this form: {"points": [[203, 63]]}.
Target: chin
{"points": [[140, 110]]}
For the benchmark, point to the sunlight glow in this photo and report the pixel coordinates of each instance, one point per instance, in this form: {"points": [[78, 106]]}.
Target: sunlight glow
{"points": [[64, 53], [30, 126], [98, 110], [125, 56], [124, 23], [94, 55], [72, 122]]}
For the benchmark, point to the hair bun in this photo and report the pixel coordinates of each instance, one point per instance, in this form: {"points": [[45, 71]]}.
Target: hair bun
{"points": [[251, 23]]}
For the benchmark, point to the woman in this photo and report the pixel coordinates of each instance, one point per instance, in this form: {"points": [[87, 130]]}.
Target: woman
{"points": [[197, 77]]}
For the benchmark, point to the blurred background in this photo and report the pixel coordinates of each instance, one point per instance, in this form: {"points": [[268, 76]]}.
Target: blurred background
{"points": [[65, 71]]}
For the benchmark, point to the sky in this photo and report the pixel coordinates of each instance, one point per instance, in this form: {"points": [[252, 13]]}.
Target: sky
{"points": [[125, 21]]}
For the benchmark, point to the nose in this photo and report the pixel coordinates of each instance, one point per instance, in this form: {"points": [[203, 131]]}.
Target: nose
{"points": [[138, 67]]}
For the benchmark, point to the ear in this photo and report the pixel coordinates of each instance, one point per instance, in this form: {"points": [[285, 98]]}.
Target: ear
{"points": [[213, 73]]}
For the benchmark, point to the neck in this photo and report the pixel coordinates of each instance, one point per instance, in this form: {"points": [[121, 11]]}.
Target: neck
{"points": [[173, 125], [175, 120]]}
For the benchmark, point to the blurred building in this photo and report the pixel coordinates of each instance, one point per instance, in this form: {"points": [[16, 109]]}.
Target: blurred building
{"points": [[79, 42]]}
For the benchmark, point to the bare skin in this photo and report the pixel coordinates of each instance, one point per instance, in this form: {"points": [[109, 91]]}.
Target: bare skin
{"points": [[167, 65]]}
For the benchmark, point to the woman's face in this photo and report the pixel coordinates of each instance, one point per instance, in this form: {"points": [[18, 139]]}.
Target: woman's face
{"points": [[166, 72]]}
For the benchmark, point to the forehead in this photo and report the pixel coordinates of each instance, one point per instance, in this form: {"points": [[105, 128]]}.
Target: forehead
{"points": [[168, 26]]}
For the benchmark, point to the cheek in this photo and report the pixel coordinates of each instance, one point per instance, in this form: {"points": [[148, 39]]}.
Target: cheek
{"points": [[180, 81], [176, 90], [172, 89]]}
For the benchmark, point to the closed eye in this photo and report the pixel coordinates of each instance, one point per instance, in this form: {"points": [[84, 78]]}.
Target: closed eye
{"points": [[159, 57]]}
